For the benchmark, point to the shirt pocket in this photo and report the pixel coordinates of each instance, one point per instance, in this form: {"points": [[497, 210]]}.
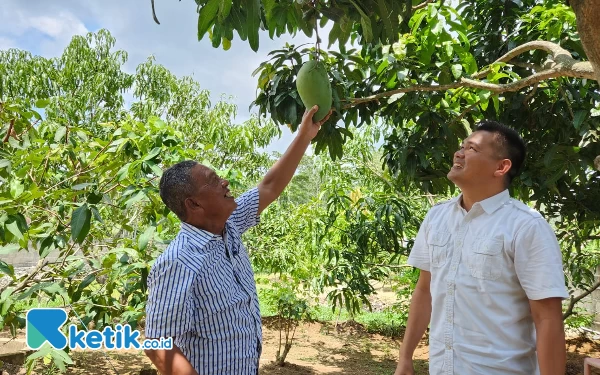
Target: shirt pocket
{"points": [[439, 244], [485, 258]]}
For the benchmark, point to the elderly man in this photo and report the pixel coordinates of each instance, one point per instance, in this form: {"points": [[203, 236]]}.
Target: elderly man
{"points": [[491, 280], [201, 288]]}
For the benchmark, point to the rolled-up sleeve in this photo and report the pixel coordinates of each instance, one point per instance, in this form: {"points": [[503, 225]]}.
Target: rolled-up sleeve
{"points": [[538, 261], [169, 308], [245, 215]]}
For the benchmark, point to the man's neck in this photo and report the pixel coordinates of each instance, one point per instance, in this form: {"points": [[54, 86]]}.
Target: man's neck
{"points": [[210, 226]]}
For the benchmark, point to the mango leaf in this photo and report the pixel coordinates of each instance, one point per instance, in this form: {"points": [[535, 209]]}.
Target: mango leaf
{"points": [[207, 16], [224, 9], [13, 227], [457, 70], [42, 103], [60, 133], [7, 269], [385, 15], [145, 237], [16, 188], [252, 23], [152, 154], [80, 223]]}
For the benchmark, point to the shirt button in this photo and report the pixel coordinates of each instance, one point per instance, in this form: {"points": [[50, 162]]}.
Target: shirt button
{"points": [[453, 268], [448, 347]]}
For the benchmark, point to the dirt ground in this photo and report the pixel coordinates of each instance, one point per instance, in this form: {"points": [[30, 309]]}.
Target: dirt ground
{"points": [[319, 348]]}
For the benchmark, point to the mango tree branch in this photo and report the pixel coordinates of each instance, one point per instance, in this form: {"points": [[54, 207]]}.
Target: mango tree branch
{"points": [[422, 5], [552, 48], [10, 131], [574, 299], [561, 64]]}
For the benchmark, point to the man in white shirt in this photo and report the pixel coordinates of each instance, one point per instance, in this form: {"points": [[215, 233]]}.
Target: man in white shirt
{"points": [[491, 281]]}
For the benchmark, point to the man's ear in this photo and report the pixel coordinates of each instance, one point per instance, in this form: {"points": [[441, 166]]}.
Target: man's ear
{"points": [[503, 167], [192, 205]]}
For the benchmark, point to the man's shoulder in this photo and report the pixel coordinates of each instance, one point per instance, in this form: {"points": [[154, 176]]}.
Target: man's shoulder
{"points": [[444, 205], [525, 210], [181, 251]]}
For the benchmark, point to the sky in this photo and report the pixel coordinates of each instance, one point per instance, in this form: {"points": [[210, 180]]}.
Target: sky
{"points": [[46, 27]]}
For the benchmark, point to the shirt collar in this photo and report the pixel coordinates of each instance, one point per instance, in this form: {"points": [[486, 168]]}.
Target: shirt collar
{"points": [[489, 205], [200, 235]]}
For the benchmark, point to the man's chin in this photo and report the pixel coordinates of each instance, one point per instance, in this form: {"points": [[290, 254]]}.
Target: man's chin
{"points": [[453, 175]]}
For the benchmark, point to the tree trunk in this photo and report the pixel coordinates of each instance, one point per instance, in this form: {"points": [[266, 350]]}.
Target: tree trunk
{"points": [[588, 26], [280, 359]]}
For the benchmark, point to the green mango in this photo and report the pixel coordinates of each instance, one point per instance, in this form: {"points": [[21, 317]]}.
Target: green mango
{"points": [[314, 88]]}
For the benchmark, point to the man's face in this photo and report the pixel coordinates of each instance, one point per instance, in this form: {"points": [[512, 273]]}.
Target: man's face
{"points": [[476, 161], [212, 193]]}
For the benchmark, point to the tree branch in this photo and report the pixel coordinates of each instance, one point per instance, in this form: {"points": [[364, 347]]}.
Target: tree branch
{"points": [[10, 129], [23, 284], [422, 5], [574, 299], [561, 65]]}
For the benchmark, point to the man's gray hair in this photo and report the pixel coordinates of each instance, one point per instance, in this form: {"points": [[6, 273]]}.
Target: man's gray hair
{"points": [[176, 185]]}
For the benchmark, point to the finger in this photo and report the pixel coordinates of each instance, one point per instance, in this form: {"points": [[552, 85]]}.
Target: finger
{"points": [[313, 110], [326, 117]]}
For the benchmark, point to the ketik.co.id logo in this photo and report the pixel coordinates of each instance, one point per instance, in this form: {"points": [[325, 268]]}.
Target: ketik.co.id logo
{"points": [[44, 324]]}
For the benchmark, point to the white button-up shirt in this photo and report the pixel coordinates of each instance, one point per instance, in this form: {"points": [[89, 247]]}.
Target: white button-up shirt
{"points": [[486, 264]]}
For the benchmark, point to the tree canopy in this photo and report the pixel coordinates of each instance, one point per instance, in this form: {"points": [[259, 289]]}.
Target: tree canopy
{"points": [[431, 70]]}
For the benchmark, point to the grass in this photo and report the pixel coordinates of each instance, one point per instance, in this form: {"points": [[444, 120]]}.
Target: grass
{"points": [[387, 323]]}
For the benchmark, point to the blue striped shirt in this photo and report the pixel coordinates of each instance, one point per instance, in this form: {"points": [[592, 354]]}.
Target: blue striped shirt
{"points": [[202, 292]]}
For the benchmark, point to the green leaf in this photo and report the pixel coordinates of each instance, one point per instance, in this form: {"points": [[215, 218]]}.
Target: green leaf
{"points": [[136, 198], [60, 134], [252, 23], [457, 70], [96, 214], [7, 269], [80, 223], [579, 118], [87, 281], [146, 237], [152, 165], [13, 227], [123, 172], [385, 15], [10, 248], [94, 197], [365, 22], [152, 154], [224, 9], [46, 246], [207, 16], [42, 103], [5, 163], [226, 44], [16, 188]]}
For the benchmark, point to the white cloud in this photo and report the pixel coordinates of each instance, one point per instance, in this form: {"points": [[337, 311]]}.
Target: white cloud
{"points": [[48, 26], [65, 25]]}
